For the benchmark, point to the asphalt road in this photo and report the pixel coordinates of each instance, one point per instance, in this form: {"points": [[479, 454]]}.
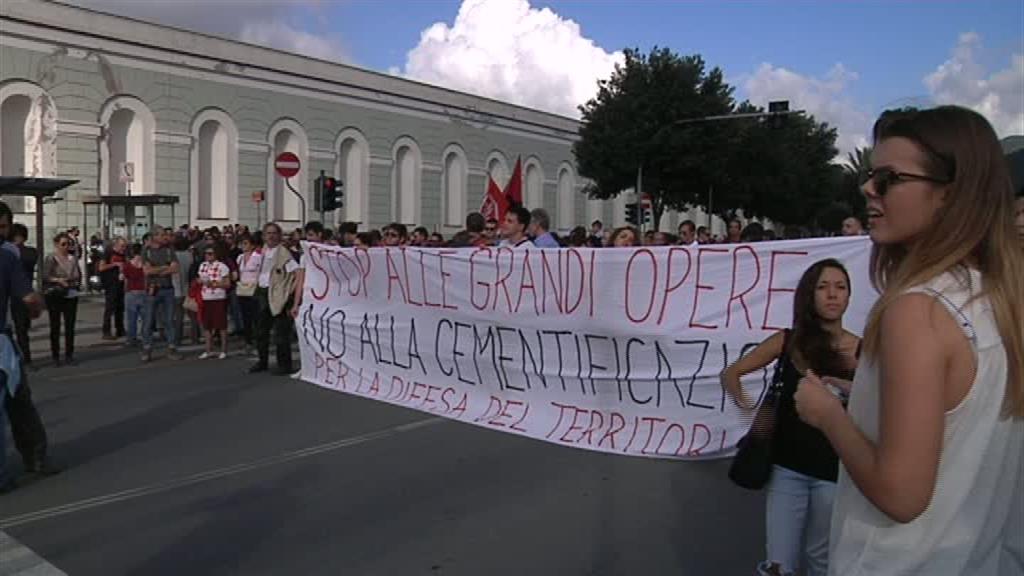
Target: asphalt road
{"points": [[196, 468]]}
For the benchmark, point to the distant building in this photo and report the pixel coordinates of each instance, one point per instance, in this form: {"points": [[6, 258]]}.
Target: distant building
{"points": [[87, 96]]}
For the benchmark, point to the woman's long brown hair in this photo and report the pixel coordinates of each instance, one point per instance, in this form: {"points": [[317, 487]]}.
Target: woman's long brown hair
{"points": [[973, 228]]}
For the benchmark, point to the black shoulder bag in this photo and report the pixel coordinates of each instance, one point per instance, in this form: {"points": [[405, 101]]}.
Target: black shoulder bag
{"points": [[752, 466]]}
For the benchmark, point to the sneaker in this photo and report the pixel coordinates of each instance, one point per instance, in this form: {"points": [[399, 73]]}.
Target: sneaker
{"points": [[222, 356], [296, 375], [204, 355], [172, 354], [146, 355]]}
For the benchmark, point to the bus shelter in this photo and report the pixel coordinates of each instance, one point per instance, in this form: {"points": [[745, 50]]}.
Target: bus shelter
{"points": [[44, 191]]}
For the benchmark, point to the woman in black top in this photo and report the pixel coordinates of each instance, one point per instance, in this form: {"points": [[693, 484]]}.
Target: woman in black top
{"points": [[802, 487], [62, 280]]}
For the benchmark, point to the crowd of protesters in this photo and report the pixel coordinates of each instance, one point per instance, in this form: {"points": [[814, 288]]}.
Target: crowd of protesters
{"points": [[879, 445]]}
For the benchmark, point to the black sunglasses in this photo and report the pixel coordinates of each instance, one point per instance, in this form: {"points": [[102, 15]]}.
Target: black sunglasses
{"points": [[883, 178]]}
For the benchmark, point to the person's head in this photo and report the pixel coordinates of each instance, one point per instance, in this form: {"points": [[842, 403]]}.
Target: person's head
{"points": [[687, 232], [475, 223], [272, 234], [596, 227], [247, 243], [136, 250], [419, 236], [517, 220], [210, 252], [156, 237], [347, 233], [703, 236], [578, 237], [735, 230], [395, 234], [61, 243], [852, 226], [19, 234], [6, 220], [314, 231], [366, 240], [118, 245], [940, 197], [540, 222], [624, 237], [659, 239], [436, 240], [819, 302], [754, 232], [491, 228], [649, 237]]}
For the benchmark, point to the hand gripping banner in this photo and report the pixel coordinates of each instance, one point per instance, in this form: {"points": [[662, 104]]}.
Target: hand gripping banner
{"points": [[614, 349]]}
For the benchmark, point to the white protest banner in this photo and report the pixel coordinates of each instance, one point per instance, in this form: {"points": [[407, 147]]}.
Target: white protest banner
{"points": [[613, 349]]}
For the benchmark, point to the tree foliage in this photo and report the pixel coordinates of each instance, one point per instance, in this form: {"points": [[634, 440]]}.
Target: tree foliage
{"points": [[644, 115]]}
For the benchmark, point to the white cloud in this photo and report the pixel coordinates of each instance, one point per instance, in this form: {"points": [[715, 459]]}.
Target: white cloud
{"points": [[962, 80], [507, 50], [825, 98], [264, 23]]}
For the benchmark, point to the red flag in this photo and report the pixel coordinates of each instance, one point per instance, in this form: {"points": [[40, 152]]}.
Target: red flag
{"points": [[514, 190], [495, 203]]}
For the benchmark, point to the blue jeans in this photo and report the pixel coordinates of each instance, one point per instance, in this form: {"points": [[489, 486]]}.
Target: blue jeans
{"points": [[134, 310], [799, 517], [164, 299]]}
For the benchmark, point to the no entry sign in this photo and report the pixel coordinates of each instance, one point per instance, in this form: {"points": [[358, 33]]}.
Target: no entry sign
{"points": [[287, 164]]}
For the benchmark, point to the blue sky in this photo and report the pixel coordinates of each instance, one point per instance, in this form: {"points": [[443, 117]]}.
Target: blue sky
{"points": [[890, 45], [842, 61]]}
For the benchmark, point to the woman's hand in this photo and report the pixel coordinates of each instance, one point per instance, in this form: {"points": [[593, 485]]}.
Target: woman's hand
{"points": [[736, 392], [815, 404], [845, 385]]}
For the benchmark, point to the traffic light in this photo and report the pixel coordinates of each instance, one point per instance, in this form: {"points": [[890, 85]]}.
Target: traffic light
{"points": [[332, 194], [633, 213]]}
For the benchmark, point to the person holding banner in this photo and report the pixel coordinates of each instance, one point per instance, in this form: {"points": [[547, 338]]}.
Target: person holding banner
{"points": [[805, 468], [513, 229], [932, 444]]}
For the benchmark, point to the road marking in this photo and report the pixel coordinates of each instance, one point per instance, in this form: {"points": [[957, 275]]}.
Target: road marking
{"points": [[159, 487], [20, 560]]}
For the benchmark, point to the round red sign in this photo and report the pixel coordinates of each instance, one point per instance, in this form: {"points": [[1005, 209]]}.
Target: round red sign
{"points": [[287, 164]]}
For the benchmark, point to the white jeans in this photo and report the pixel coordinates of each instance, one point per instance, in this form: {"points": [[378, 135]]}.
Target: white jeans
{"points": [[798, 517]]}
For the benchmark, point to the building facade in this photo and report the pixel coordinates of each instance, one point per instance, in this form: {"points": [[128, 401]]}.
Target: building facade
{"points": [[131, 108]]}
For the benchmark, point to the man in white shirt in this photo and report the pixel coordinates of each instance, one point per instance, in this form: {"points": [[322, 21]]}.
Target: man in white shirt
{"points": [[513, 228], [272, 281]]}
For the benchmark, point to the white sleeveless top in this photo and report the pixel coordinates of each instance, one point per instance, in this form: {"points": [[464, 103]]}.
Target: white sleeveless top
{"points": [[974, 524]]}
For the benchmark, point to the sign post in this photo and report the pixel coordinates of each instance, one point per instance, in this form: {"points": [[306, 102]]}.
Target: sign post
{"points": [[288, 165], [257, 199]]}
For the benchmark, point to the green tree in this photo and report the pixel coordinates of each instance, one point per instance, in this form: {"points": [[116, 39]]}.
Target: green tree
{"points": [[632, 122]]}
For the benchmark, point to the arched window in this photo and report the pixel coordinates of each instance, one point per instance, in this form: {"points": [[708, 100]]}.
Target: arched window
{"points": [[287, 135], [28, 135], [127, 141], [456, 171], [353, 169], [214, 166], [533, 184], [566, 198], [405, 181], [497, 169]]}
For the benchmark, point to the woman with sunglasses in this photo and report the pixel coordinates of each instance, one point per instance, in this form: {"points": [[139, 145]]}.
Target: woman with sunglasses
{"points": [[932, 443], [62, 279], [215, 278]]}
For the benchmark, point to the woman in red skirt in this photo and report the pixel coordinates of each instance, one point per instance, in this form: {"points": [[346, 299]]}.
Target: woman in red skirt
{"points": [[215, 279]]}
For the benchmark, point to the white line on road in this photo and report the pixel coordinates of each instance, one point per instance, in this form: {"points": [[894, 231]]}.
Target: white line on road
{"points": [[20, 560], [98, 501]]}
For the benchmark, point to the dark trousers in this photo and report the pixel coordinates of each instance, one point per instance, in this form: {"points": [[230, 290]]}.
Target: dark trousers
{"points": [[67, 308], [26, 425], [113, 309], [282, 327], [250, 312], [22, 323]]}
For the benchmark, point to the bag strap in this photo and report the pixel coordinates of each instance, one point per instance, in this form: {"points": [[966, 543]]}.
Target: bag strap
{"points": [[777, 376]]}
